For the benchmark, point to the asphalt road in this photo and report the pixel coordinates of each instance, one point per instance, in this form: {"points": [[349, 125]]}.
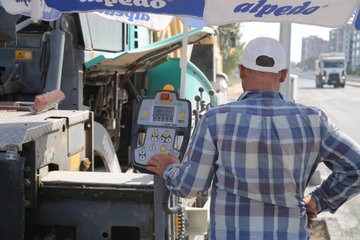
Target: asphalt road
{"points": [[341, 104]]}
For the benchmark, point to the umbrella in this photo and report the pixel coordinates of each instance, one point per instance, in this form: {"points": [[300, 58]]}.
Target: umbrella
{"points": [[327, 13], [220, 12], [37, 9]]}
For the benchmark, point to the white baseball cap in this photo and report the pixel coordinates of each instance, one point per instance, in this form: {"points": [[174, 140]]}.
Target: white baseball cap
{"points": [[264, 46]]}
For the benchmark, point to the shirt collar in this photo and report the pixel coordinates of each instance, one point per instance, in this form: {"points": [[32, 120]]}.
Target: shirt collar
{"points": [[261, 95]]}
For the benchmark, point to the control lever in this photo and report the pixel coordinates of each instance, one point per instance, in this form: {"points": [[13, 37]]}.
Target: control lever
{"points": [[211, 93], [203, 105], [197, 99], [201, 90], [197, 117]]}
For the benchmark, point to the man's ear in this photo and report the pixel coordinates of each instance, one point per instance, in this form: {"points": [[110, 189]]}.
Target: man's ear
{"points": [[283, 75], [242, 71]]}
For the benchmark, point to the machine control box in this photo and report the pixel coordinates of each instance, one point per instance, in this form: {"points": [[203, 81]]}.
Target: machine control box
{"points": [[163, 124]]}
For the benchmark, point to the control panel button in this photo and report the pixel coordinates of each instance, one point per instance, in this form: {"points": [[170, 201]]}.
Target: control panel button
{"points": [[145, 114], [163, 148], [165, 96]]}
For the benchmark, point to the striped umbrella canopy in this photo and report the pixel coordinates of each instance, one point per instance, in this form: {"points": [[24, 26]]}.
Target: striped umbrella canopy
{"points": [[327, 13]]}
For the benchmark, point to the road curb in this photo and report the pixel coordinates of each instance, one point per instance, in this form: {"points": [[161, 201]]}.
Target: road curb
{"points": [[353, 83]]}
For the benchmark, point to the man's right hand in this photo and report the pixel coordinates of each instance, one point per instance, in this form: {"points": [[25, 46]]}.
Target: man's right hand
{"points": [[159, 162]]}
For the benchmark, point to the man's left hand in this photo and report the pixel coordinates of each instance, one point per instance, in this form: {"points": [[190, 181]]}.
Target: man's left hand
{"points": [[311, 209]]}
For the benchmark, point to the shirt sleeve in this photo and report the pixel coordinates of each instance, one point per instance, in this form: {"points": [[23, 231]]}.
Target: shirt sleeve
{"points": [[195, 173], [342, 156]]}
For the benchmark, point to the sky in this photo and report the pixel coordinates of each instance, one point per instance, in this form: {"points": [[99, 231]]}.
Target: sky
{"points": [[298, 31]]}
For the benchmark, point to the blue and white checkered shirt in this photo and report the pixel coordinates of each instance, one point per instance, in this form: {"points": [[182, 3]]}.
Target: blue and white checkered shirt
{"points": [[258, 154]]}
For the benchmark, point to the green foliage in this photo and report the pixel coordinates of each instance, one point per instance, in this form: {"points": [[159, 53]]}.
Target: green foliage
{"points": [[230, 34], [355, 72], [307, 64]]}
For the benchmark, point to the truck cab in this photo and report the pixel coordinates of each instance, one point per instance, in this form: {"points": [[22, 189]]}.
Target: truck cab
{"points": [[331, 70]]}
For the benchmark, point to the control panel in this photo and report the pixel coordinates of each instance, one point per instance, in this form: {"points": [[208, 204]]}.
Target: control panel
{"points": [[163, 124]]}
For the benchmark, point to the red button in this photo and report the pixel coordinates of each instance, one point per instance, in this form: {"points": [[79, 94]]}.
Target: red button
{"points": [[164, 96]]}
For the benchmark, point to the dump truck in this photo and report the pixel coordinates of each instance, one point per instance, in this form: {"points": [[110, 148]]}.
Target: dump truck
{"points": [[330, 69], [68, 172]]}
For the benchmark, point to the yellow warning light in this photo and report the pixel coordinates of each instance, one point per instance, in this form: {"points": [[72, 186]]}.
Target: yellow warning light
{"points": [[168, 87], [23, 55]]}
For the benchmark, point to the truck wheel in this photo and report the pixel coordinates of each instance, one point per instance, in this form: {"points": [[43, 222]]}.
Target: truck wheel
{"points": [[343, 85]]}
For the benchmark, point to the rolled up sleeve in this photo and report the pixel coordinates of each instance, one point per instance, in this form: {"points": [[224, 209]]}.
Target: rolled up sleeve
{"points": [[342, 156], [195, 173]]}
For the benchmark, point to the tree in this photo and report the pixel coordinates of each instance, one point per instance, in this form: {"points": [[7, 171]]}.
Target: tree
{"points": [[231, 48], [307, 64]]}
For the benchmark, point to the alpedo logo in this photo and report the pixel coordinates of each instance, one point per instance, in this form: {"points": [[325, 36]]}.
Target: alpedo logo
{"points": [[131, 17], [25, 2], [261, 8], [138, 3]]}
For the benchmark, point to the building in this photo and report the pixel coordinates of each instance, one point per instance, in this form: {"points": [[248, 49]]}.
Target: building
{"points": [[312, 46], [341, 40], [355, 58]]}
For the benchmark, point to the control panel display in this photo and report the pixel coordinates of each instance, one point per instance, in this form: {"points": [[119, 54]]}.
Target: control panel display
{"points": [[163, 114]]}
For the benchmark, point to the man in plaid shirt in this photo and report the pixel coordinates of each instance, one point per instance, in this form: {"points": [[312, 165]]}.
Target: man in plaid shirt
{"points": [[257, 154]]}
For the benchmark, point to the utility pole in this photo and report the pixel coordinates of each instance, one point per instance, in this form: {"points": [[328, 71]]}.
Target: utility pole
{"points": [[287, 88]]}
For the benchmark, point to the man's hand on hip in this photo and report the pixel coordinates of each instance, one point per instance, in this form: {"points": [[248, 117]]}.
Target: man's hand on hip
{"points": [[311, 209]]}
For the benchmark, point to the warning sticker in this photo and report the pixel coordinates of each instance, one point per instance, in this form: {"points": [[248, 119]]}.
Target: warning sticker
{"points": [[23, 55]]}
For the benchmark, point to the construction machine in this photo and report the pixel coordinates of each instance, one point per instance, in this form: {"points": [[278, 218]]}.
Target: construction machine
{"points": [[67, 172]]}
